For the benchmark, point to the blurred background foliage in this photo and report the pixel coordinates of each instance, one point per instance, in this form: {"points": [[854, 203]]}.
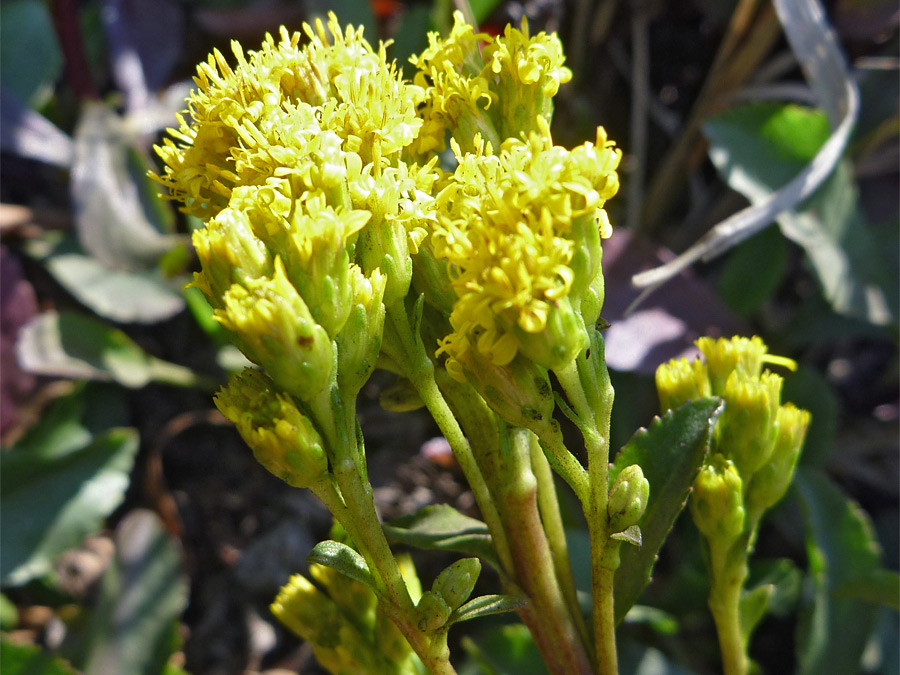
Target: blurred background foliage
{"points": [[139, 536]]}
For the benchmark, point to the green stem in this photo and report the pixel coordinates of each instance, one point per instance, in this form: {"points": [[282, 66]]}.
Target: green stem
{"points": [[548, 503], [547, 616], [562, 461], [419, 370], [727, 583], [589, 391]]}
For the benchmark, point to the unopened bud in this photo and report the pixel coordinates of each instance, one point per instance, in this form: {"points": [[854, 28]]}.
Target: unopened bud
{"points": [[726, 354], [746, 431], [275, 329], [680, 381], [282, 438], [359, 341], [456, 582], [558, 341], [770, 483], [432, 611], [628, 498], [717, 503]]}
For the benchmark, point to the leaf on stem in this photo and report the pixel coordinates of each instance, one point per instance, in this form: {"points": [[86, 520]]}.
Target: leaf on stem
{"points": [[670, 452], [441, 527], [486, 605], [343, 559]]}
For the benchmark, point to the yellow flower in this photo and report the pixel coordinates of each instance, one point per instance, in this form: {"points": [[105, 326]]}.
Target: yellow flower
{"points": [[509, 226], [248, 123]]}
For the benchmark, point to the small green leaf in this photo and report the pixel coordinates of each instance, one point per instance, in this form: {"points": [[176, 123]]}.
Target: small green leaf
{"points": [[486, 605], [841, 549], [441, 527], [745, 284], [632, 535], [52, 499], [753, 605], [142, 595], [670, 453], [79, 346], [23, 659], [343, 559]]}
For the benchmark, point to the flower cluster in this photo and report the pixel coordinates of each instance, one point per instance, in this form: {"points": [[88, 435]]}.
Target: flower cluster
{"points": [[757, 440], [495, 88], [521, 234]]}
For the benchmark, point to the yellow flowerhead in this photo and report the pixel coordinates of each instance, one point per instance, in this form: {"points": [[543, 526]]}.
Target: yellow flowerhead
{"points": [[509, 226], [247, 123]]}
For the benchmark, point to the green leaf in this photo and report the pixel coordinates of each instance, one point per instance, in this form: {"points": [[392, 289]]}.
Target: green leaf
{"points": [[760, 147], [879, 587], [670, 453], [745, 284], [783, 578], [343, 559], [841, 549], [30, 58], [143, 296], [142, 595], [486, 605], [78, 346], [22, 659], [51, 498], [441, 527]]}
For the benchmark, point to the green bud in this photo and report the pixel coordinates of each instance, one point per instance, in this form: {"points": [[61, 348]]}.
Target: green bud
{"points": [[628, 498], [680, 381], [456, 582], [746, 431], [587, 281], [384, 245], [432, 611], [520, 392], [275, 329], [318, 262], [359, 342], [229, 253], [559, 342], [717, 503], [770, 483], [282, 438]]}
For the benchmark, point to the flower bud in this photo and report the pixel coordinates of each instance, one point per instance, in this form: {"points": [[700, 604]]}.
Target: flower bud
{"points": [[520, 392], [275, 329], [717, 503], [628, 498], [456, 582], [746, 431], [432, 611], [680, 381], [560, 340], [724, 355], [354, 598], [770, 482], [359, 341], [282, 438], [229, 252]]}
